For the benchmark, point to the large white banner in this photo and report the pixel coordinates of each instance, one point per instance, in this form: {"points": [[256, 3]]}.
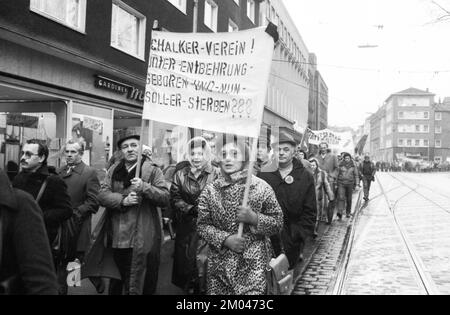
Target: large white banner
{"points": [[211, 81], [337, 141]]}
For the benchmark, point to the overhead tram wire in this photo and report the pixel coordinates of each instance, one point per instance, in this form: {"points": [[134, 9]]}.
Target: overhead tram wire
{"points": [[362, 69]]}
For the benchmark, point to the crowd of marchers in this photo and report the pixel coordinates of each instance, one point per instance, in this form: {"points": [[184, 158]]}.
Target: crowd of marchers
{"points": [[46, 215]]}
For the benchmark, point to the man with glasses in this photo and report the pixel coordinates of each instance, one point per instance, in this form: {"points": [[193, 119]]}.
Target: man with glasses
{"points": [[82, 186], [130, 200], [54, 201]]}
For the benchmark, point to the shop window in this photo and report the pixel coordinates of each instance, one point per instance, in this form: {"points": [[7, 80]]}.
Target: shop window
{"points": [[20, 122], [127, 29], [94, 127], [71, 13], [210, 17]]}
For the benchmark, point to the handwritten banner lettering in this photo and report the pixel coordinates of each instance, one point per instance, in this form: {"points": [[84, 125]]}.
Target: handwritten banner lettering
{"points": [[340, 141], [215, 82]]}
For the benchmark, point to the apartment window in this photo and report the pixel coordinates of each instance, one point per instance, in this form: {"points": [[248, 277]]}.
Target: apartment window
{"points": [[71, 13], [179, 4], [400, 115], [409, 142], [400, 142], [426, 115], [438, 143], [438, 129], [417, 128], [263, 13], [232, 27], [251, 10], [417, 143], [210, 19], [127, 29], [426, 143], [425, 128], [438, 116]]}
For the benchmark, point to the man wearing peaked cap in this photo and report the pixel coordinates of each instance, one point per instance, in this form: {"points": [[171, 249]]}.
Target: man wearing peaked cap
{"points": [[295, 191], [286, 138], [133, 222], [122, 140]]}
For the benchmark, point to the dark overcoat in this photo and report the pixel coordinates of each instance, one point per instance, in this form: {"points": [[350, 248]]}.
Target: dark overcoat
{"points": [[138, 227], [298, 202], [83, 187], [55, 202], [25, 248]]}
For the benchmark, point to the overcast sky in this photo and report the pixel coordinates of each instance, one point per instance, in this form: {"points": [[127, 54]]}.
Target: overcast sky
{"points": [[411, 51]]}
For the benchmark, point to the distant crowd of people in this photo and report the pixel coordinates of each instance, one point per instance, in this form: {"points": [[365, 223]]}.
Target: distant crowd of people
{"points": [[46, 214]]}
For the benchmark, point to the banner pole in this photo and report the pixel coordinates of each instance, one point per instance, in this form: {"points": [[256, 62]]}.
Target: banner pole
{"points": [[253, 151], [139, 160]]}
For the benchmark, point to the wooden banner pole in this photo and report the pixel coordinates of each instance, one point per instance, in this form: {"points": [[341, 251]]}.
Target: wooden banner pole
{"points": [[253, 151]]}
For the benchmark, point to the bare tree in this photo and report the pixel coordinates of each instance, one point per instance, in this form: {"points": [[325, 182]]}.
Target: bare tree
{"points": [[444, 14]]}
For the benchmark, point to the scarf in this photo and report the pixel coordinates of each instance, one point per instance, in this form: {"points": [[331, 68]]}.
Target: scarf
{"points": [[122, 175]]}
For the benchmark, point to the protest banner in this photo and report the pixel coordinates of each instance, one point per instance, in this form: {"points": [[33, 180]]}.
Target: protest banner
{"points": [[337, 141], [215, 82]]}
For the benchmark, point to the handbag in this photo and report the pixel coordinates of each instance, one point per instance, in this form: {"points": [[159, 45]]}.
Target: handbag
{"points": [[13, 284], [279, 278]]}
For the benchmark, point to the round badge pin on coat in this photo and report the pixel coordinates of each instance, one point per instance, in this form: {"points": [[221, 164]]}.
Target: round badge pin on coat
{"points": [[289, 179]]}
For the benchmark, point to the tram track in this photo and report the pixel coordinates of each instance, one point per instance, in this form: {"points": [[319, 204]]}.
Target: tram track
{"points": [[422, 195], [424, 279]]}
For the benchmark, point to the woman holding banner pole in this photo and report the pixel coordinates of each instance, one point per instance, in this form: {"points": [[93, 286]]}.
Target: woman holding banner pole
{"points": [[237, 264]]}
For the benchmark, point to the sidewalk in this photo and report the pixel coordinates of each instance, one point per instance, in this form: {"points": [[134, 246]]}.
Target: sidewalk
{"points": [[317, 273]]}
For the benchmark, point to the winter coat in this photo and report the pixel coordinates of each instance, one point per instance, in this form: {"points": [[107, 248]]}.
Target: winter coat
{"points": [[83, 187], [329, 164], [322, 185], [367, 170], [25, 248], [137, 227], [55, 202], [186, 189], [298, 201], [348, 174], [229, 272]]}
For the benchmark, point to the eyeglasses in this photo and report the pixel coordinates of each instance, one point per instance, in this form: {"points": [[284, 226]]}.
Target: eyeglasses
{"points": [[27, 154]]}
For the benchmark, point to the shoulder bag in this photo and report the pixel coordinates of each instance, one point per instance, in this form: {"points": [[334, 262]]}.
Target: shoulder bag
{"points": [[279, 278]]}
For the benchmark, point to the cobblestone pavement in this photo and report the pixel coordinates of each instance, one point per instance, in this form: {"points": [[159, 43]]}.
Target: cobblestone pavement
{"points": [[320, 271], [379, 262]]}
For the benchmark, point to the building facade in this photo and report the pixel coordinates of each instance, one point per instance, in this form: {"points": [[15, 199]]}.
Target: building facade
{"points": [[289, 81], [410, 125], [77, 69], [318, 97]]}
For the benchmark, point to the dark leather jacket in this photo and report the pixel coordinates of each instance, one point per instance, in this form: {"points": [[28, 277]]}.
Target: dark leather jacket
{"points": [[186, 189]]}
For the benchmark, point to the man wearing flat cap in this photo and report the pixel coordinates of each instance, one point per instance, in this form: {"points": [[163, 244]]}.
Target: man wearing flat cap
{"points": [[130, 200], [296, 194]]}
